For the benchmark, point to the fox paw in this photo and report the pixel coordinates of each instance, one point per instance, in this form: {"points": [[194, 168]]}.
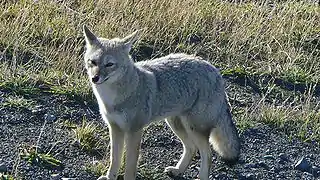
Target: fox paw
{"points": [[172, 171], [103, 178]]}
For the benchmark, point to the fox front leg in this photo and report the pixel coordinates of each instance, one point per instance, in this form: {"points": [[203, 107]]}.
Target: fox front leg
{"points": [[132, 141], [116, 151]]}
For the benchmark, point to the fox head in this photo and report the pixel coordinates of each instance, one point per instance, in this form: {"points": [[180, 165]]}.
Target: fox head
{"points": [[108, 60]]}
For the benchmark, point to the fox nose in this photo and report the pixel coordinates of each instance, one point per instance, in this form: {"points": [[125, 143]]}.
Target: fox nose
{"points": [[95, 79]]}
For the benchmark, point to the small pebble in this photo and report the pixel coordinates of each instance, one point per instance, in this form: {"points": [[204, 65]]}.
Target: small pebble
{"points": [[3, 168], [50, 117], [250, 176], [241, 177], [302, 165], [280, 161], [263, 164], [221, 176], [250, 166], [275, 169], [268, 157], [55, 177], [37, 109], [283, 157], [279, 176], [268, 151]]}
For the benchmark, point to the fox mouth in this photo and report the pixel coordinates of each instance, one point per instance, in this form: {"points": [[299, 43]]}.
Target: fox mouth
{"points": [[98, 83]]}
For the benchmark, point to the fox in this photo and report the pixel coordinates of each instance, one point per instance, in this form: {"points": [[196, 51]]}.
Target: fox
{"points": [[184, 90]]}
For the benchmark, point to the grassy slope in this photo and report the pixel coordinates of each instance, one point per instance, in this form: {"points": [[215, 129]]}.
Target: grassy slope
{"points": [[41, 45]]}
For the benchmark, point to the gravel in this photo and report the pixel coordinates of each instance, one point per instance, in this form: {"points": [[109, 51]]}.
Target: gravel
{"points": [[266, 153]]}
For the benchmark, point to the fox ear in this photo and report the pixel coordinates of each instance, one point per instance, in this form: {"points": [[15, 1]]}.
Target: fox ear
{"points": [[90, 38], [129, 40]]}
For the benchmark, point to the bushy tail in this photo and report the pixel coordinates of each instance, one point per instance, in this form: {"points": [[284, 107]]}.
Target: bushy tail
{"points": [[225, 139]]}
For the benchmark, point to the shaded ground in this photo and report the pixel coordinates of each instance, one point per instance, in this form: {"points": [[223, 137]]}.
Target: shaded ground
{"points": [[266, 153]]}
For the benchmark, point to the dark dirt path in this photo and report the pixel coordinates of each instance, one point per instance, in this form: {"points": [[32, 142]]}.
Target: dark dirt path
{"points": [[266, 153]]}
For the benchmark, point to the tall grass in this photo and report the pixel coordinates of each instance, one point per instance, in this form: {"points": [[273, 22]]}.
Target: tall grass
{"points": [[47, 34]]}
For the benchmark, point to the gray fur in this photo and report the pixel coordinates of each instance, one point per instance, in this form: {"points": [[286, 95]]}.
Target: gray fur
{"points": [[185, 89]]}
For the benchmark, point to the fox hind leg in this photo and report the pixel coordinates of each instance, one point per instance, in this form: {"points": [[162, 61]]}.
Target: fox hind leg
{"points": [[201, 140], [189, 147]]}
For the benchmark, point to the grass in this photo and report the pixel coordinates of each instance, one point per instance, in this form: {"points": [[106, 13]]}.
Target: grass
{"points": [[89, 136], [97, 168], [31, 155], [265, 38], [25, 82], [41, 49], [302, 122], [298, 115], [5, 176], [18, 102]]}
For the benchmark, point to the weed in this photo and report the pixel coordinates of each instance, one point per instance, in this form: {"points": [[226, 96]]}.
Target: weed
{"points": [[31, 155], [296, 75], [19, 87], [300, 121], [243, 120], [68, 124], [6, 176], [97, 168], [86, 135], [17, 102], [237, 71]]}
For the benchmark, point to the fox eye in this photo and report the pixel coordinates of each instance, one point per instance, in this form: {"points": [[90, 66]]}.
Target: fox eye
{"points": [[93, 62], [109, 64]]}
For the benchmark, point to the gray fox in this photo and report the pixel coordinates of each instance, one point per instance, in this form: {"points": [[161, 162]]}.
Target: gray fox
{"points": [[185, 90]]}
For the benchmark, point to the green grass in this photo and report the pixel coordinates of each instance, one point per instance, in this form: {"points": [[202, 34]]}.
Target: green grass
{"points": [[31, 155], [296, 75], [5, 176], [89, 136], [97, 168], [41, 45], [265, 38], [17, 102], [302, 122], [298, 117]]}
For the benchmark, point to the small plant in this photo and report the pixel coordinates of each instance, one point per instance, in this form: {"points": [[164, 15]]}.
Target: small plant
{"points": [[68, 124], [19, 85], [97, 168], [4, 176], [296, 75], [237, 71], [17, 102], [243, 120], [86, 136], [31, 155]]}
